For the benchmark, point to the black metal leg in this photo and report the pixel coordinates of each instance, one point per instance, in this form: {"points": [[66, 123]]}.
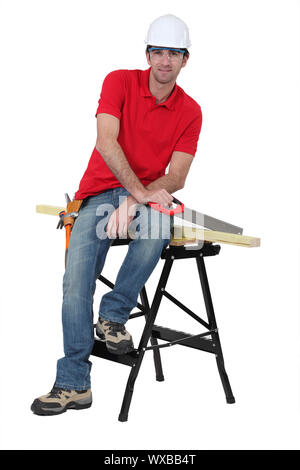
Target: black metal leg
{"points": [[153, 341], [123, 416], [213, 326], [224, 378]]}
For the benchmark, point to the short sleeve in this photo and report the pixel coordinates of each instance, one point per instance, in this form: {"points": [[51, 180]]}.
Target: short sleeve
{"points": [[188, 140], [112, 94]]}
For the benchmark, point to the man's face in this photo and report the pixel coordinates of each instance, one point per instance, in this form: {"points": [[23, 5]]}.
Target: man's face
{"points": [[166, 64]]}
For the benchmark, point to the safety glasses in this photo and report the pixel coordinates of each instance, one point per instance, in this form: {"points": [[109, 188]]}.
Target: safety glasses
{"points": [[157, 53]]}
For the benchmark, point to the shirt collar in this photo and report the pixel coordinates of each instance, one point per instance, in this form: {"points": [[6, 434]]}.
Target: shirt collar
{"points": [[145, 92]]}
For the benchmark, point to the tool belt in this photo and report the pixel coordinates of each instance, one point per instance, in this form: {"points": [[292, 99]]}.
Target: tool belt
{"points": [[72, 212], [67, 218]]}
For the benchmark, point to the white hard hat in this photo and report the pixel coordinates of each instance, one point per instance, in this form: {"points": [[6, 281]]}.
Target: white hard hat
{"points": [[168, 31]]}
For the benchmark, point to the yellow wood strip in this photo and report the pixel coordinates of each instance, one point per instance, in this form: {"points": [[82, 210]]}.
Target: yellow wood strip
{"points": [[49, 210], [186, 235], [182, 235]]}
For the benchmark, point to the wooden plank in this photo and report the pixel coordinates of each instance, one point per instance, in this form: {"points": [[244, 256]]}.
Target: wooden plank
{"points": [[184, 235], [49, 210]]}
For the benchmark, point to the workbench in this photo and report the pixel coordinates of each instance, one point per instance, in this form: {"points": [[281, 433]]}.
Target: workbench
{"points": [[186, 243]]}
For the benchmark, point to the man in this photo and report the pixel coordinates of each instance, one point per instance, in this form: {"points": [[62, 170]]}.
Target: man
{"points": [[145, 122]]}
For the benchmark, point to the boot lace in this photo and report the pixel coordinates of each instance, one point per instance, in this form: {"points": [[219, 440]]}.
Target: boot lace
{"points": [[116, 328], [56, 392]]}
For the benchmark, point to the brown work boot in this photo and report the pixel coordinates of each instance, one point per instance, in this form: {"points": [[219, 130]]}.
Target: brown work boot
{"points": [[117, 338], [60, 400]]}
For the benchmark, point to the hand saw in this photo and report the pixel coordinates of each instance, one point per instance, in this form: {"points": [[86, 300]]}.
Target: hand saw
{"points": [[195, 217]]}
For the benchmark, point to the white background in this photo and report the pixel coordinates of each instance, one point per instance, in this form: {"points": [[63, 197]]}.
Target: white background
{"points": [[244, 72]]}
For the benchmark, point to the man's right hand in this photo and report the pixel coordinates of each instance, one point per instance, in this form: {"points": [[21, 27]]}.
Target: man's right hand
{"points": [[160, 196]]}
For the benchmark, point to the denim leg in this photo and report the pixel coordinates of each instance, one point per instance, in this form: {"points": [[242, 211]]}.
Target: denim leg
{"points": [[86, 257], [142, 257]]}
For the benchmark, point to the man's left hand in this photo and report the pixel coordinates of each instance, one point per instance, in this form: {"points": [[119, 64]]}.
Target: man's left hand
{"points": [[120, 219]]}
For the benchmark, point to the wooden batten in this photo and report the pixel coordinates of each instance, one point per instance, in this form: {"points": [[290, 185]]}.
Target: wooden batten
{"points": [[49, 210], [183, 235]]}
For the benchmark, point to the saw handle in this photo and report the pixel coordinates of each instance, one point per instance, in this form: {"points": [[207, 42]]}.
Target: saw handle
{"points": [[178, 209]]}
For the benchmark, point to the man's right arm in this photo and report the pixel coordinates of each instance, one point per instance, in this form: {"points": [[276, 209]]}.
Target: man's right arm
{"points": [[108, 127]]}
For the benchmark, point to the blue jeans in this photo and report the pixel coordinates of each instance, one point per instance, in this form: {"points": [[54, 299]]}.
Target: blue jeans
{"points": [[87, 251]]}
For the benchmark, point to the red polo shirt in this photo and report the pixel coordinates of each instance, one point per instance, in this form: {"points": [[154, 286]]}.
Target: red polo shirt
{"points": [[149, 133]]}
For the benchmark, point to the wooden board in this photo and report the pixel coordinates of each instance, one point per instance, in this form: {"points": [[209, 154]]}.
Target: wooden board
{"points": [[49, 210], [183, 235]]}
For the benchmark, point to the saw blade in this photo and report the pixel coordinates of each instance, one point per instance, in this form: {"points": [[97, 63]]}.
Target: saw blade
{"points": [[206, 221]]}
